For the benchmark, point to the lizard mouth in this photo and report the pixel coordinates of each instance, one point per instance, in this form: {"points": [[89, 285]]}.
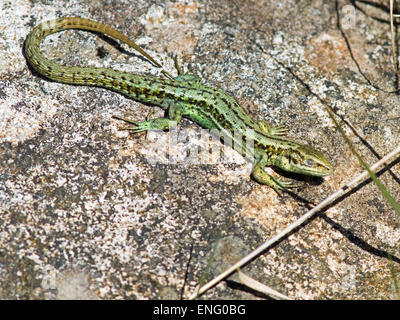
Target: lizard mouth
{"points": [[321, 171]]}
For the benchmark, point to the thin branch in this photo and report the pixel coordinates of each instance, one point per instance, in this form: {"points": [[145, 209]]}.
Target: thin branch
{"points": [[291, 227], [260, 287], [393, 38]]}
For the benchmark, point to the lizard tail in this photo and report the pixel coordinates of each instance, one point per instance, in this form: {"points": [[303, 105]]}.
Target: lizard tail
{"points": [[62, 73]]}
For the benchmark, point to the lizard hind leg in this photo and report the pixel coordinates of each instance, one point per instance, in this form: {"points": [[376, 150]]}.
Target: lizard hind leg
{"points": [[175, 111]]}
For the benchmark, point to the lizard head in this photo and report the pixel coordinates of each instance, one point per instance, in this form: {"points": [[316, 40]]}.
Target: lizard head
{"points": [[304, 160]]}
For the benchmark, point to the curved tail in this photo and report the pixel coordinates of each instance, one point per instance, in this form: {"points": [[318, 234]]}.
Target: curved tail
{"points": [[62, 73]]}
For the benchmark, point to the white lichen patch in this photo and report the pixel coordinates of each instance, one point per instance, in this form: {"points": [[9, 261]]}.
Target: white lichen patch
{"points": [[18, 119], [71, 285], [161, 22], [387, 234], [18, 124], [235, 176]]}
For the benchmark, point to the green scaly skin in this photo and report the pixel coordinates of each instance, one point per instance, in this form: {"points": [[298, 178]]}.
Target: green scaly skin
{"points": [[183, 96]]}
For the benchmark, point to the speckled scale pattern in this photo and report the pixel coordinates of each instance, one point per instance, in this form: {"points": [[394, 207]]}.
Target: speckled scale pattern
{"points": [[210, 107]]}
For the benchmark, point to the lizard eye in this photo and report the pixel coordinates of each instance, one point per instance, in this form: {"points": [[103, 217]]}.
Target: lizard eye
{"points": [[309, 162]]}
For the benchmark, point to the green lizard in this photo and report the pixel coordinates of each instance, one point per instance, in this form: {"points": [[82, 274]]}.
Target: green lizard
{"points": [[183, 96]]}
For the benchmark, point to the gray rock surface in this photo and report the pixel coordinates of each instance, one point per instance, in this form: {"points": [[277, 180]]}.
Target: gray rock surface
{"points": [[84, 214]]}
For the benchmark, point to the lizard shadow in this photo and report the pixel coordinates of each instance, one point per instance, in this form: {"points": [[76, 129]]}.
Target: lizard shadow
{"points": [[299, 177], [347, 232], [118, 46]]}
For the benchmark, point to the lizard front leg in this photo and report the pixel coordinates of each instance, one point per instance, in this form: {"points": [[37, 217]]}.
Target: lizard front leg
{"points": [[279, 131], [263, 177]]}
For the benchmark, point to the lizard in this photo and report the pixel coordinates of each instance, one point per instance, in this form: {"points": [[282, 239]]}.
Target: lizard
{"points": [[183, 96]]}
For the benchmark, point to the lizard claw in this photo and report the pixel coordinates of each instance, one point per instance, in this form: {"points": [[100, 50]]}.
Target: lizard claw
{"points": [[139, 126], [281, 185], [278, 131]]}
